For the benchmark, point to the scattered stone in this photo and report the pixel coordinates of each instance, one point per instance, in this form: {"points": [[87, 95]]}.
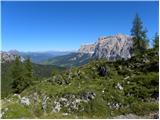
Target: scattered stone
{"points": [[63, 99], [71, 102], [78, 100], [64, 114], [44, 103], [114, 105], [35, 97], [87, 96], [126, 78], [25, 101], [56, 107], [117, 106], [17, 95], [119, 86], [3, 112]]}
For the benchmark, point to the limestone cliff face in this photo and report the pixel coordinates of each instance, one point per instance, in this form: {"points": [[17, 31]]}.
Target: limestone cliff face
{"points": [[114, 47], [87, 48], [110, 47]]}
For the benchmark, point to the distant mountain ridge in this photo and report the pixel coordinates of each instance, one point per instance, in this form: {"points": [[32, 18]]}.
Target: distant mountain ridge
{"points": [[36, 57], [9, 57]]}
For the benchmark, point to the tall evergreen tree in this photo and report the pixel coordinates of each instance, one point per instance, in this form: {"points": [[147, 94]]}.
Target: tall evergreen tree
{"points": [[28, 67], [28, 71], [140, 41], [22, 75], [156, 42], [17, 75]]}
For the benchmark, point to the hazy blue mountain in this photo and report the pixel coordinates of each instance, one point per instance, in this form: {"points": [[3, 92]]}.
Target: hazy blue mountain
{"points": [[38, 57]]}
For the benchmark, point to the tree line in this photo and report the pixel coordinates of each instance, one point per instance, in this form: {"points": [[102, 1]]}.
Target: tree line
{"points": [[22, 75], [140, 40]]}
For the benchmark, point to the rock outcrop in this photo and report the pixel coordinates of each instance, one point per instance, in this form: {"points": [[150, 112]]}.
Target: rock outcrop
{"points": [[110, 47], [9, 56], [25, 101], [72, 102], [114, 47], [87, 48]]}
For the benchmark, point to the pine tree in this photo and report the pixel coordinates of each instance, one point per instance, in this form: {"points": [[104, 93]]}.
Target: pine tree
{"points": [[156, 42], [22, 75], [28, 71], [140, 41], [17, 75]]}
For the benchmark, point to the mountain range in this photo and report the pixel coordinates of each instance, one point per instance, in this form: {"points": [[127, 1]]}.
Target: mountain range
{"points": [[112, 48], [36, 57]]}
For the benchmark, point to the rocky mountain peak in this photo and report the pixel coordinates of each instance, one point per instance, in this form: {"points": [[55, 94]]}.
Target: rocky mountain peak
{"points": [[114, 47], [110, 47], [118, 36]]}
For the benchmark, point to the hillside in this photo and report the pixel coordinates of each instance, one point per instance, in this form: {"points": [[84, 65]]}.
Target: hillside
{"points": [[99, 89], [70, 60], [39, 71]]}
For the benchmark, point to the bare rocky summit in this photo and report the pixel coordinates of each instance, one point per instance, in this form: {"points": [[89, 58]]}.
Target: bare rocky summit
{"points": [[110, 47]]}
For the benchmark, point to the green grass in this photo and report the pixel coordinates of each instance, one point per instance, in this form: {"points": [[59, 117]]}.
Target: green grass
{"points": [[143, 108], [18, 111]]}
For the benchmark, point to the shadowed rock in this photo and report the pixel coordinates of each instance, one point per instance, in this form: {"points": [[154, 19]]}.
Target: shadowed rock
{"points": [[102, 71]]}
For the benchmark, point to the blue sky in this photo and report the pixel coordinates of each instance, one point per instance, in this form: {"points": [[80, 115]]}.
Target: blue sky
{"points": [[43, 26]]}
